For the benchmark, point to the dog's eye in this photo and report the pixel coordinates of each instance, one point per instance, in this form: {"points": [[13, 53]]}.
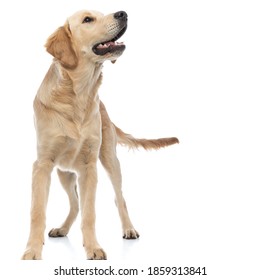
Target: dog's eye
{"points": [[87, 19]]}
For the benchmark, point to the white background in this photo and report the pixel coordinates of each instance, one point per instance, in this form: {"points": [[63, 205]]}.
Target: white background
{"points": [[191, 69]]}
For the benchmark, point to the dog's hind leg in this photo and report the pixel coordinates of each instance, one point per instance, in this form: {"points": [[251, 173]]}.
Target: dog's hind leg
{"points": [[113, 169], [68, 181], [111, 163]]}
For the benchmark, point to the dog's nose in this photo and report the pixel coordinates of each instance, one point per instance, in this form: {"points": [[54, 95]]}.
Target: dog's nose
{"points": [[120, 15]]}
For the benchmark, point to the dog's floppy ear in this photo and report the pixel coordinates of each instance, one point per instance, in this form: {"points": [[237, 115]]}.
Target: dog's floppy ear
{"points": [[60, 45]]}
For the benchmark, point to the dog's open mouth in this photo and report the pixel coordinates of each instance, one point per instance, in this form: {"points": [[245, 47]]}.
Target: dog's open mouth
{"points": [[110, 46]]}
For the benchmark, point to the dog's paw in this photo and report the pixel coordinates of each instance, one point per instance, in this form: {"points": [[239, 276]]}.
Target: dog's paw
{"points": [[32, 254], [130, 234], [96, 254], [58, 232]]}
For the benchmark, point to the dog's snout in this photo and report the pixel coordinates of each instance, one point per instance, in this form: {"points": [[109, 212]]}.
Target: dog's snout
{"points": [[121, 15]]}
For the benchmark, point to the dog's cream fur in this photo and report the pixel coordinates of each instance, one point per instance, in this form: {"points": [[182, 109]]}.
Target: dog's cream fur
{"points": [[74, 130]]}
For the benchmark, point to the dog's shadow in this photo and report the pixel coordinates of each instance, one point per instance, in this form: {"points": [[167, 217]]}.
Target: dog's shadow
{"points": [[63, 248], [128, 248], [59, 247]]}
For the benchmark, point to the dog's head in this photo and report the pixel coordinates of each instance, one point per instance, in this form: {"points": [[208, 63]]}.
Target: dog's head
{"points": [[88, 35]]}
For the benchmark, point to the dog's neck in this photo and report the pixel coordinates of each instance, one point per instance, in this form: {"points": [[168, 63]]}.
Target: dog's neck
{"points": [[71, 93], [86, 77], [83, 81]]}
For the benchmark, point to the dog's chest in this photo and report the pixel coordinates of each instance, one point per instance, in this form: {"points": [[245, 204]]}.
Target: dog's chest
{"points": [[82, 137], [74, 153], [69, 153], [79, 117]]}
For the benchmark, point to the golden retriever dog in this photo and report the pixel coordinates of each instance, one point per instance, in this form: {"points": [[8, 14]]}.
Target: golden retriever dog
{"points": [[74, 130]]}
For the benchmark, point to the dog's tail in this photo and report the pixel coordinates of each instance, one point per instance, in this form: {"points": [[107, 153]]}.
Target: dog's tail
{"points": [[148, 144]]}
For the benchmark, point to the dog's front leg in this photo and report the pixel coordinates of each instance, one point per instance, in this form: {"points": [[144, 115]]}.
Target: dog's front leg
{"points": [[41, 179], [87, 185]]}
